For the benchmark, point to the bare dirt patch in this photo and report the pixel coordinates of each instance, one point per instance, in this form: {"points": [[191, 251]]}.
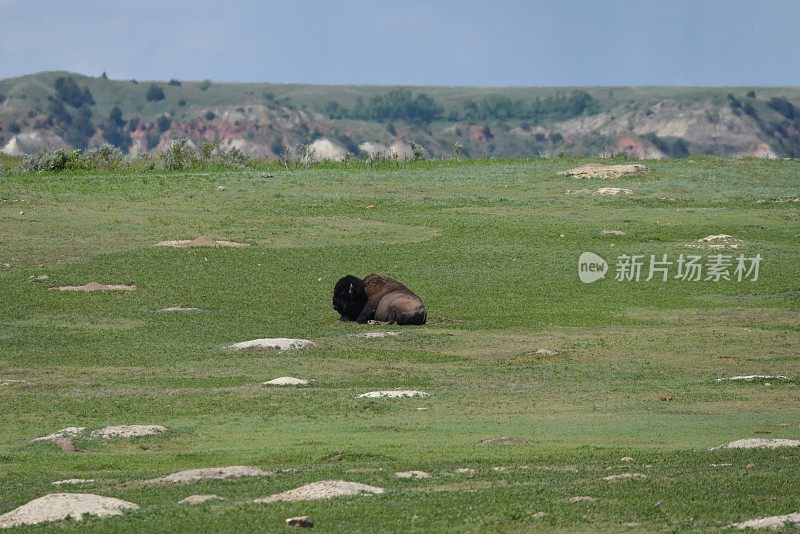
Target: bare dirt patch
{"points": [[581, 498], [466, 471], [96, 286], [200, 499], [65, 444], [178, 309], [717, 242], [201, 241], [613, 191], [212, 473], [73, 481], [751, 378], [60, 506], [598, 170], [378, 334], [279, 343], [129, 431], [69, 432], [412, 474], [759, 443], [324, 489], [392, 394], [624, 476], [774, 522], [612, 232], [506, 441]]}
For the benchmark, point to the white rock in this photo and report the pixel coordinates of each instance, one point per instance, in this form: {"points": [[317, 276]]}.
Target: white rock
{"points": [[324, 489], [286, 381], [212, 473], [280, 343], [392, 394], [69, 432], [412, 474], [775, 521], [71, 481], [60, 506], [759, 443], [378, 334], [128, 431]]}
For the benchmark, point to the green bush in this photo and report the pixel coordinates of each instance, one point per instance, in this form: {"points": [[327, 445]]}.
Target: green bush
{"points": [[155, 93], [179, 155], [52, 160]]}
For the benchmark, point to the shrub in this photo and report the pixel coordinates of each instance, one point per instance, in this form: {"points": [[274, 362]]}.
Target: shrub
{"points": [[174, 83], [205, 84], [179, 155], [163, 123], [783, 106], [155, 93], [103, 157], [417, 150], [51, 160]]}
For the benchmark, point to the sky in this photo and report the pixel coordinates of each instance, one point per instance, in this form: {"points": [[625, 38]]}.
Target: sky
{"points": [[410, 42]]}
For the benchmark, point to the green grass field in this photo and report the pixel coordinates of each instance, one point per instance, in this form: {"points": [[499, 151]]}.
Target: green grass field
{"points": [[492, 249]]}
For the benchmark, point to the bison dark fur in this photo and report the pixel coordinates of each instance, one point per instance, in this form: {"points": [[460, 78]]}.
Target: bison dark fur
{"points": [[377, 298]]}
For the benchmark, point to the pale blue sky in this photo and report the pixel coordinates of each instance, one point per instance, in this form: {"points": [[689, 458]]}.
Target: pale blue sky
{"points": [[410, 42]]}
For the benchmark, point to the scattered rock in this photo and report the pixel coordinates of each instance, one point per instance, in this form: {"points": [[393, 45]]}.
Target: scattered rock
{"points": [[466, 471], [302, 521], [719, 241], [279, 343], [10, 381], [412, 474], [612, 232], [95, 286], [581, 191], [598, 170], [547, 352], [759, 443], [582, 498], [38, 278], [324, 489], [774, 522], [212, 473], [378, 334], [624, 476], [422, 409], [392, 394], [613, 191], [286, 381], [499, 468], [200, 499], [69, 432], [128, 431], [626, 459], [201, 241], [750, 378], [721, 465], [538, 515], [178, 309], [60, 506], [506, 441], [65, 444], [71, 481]]}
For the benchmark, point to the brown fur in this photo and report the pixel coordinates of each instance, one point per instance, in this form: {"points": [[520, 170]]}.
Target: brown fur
{"points": [[387, 301]]}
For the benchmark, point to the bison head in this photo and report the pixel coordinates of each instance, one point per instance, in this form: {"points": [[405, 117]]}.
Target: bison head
{"points": [[349, 297]]}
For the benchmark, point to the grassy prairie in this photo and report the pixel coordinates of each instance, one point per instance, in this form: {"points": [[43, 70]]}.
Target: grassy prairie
{"points": [[492, 248]]}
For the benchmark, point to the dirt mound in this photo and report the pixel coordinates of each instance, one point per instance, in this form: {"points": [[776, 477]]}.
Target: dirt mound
{"points": [[71, 481], [412, 474], [465, 471], [598, 170], [69, 432], [750, 378], [760, 443], [201, 241], [212, 473], [177, 309], [547, 352], [129, 431], [286, 381], [392, 394], [775, 521], [200, 499], [95, 286], [613, 191], [59, 506], [715, 242], [324, 489], [506, 441], [624, 476], [280, 343]]}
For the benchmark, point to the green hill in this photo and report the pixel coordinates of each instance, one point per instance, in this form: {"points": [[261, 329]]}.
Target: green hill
{"points": [[67, 109]]}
